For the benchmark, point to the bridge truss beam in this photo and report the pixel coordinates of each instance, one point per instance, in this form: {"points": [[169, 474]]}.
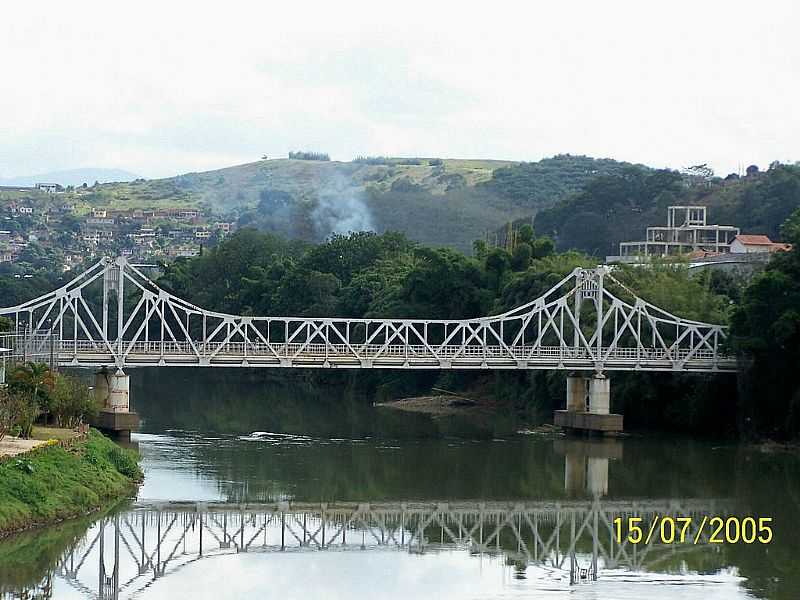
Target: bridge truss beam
{"points": [[113, 314]]}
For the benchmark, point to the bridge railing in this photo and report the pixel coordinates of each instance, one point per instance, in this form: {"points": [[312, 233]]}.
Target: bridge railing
{"points": [[372, 351]]}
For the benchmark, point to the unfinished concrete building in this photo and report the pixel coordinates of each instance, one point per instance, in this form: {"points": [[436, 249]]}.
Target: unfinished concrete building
{"points": [[686, 231]]}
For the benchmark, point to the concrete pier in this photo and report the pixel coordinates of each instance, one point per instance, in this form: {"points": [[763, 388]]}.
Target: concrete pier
{"points": [[588, 406], [112, 391]]}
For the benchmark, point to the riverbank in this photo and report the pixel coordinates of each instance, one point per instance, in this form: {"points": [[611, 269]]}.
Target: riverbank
{"points": [[12, 446], [63, 480]]}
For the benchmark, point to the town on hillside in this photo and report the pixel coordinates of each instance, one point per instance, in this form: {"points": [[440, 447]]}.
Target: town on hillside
{"points": [[51, 217]]}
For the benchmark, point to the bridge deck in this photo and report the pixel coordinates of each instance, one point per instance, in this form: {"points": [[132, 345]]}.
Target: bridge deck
{"points": [[237, 354]]}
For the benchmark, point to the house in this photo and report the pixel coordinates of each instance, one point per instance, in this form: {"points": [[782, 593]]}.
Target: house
{"points": [[6, 255], [97, 236], [99, 221], [50, 188], [202, 234], [99, 213], [183, 251], [749, 244], [143, 237]]}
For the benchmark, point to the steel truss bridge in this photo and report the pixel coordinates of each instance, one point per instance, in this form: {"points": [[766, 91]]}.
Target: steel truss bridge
{"points": [[571, 542], [114, 315]]}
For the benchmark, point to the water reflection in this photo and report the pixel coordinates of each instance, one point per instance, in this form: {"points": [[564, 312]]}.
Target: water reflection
{"points": [[557, 545], [293, 491]]}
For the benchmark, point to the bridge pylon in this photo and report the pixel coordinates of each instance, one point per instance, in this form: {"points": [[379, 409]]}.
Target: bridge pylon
{"points": [[112, 391], [588, 405]]}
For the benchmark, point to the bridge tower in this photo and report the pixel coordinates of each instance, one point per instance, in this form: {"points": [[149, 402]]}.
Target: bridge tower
{"points": [[589, 397], [112, 388]]}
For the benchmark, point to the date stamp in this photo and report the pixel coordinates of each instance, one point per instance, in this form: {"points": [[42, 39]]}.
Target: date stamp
{"points": [[668, 529]]}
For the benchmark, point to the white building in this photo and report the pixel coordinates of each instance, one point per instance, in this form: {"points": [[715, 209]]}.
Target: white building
{"points": [[751, 244], [50, 188]]}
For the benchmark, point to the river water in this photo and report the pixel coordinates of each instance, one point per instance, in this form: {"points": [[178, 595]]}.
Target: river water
{"points": [[267, 487]]}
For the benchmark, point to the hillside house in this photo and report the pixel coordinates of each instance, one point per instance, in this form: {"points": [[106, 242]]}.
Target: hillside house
{"points": [[751, 244], [50, 188]]}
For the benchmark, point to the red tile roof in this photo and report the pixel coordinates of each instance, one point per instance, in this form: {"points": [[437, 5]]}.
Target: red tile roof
{"points": [[754, 240]]}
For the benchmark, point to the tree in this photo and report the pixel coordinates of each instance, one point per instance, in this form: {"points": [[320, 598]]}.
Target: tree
{"points": [[766, 334], [37, 381], [72, 401], [17, 412], [543, 247], [699, 174], [525, 234], [496, 265], [521, 257]]}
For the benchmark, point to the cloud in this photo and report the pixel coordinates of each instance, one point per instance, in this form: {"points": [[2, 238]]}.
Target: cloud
{"points": [[169, 88]]}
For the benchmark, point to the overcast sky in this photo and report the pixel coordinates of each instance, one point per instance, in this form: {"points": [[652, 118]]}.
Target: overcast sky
{"points": [[160, 88]]}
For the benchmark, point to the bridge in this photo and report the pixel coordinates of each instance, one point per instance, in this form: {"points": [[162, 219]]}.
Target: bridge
{"points": [[114, 316], [570, 542]]}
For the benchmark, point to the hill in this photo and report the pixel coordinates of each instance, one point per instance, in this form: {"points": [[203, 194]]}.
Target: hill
{"points": [[441, 202], [70, 177]]}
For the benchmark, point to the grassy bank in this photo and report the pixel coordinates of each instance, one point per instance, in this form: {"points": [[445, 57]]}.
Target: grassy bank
{"points": [[53, 483]]}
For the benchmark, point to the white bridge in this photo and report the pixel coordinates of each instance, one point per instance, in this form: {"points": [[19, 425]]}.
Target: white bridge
{"points": [[114, 315]]}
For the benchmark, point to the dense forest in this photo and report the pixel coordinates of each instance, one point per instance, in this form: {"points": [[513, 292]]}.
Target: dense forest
{"points": [[543, 183], [619, 207], [371, 275]]}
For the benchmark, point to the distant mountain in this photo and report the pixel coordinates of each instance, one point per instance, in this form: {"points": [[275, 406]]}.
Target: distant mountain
{"points": [[71, 177]]}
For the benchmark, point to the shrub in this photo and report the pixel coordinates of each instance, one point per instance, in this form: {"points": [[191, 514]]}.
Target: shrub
{"points": [[72, 402], [18, 411], [125, 462]]}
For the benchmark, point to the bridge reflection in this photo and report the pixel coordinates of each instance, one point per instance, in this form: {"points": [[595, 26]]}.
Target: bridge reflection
{"points": [[123, 554]]}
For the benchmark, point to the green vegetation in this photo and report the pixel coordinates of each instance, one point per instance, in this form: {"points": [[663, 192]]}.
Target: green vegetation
{"points": [[33, 391], [766, 330], [543, 183], [53, 483]]}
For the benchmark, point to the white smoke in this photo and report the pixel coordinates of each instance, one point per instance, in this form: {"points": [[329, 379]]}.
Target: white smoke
{"points": [[341, 208]]}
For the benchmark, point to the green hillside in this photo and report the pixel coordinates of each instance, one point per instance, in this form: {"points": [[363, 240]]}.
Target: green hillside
{"points": [[441, 202]]}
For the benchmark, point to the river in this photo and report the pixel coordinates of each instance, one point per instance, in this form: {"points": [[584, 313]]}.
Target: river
{"points": [[265, 486]]}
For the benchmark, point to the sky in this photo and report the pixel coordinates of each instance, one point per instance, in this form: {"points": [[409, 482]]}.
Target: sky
{"points": [[160, 88]]}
